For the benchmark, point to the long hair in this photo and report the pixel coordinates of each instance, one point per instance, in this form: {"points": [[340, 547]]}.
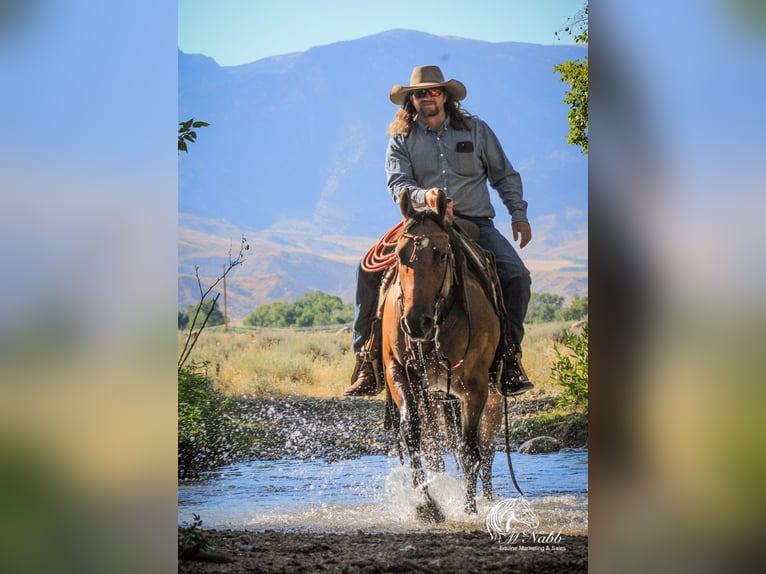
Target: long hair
{"points": [[405, 116]]}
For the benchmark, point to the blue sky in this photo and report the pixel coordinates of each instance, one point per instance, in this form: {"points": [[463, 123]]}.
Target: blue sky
{"points": [[240, 31]]}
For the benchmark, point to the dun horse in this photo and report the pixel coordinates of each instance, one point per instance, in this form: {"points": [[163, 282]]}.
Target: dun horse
{"points": [[440, 333]]}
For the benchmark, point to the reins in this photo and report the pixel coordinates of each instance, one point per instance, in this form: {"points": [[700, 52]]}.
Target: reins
{"points": [[508, 445]]}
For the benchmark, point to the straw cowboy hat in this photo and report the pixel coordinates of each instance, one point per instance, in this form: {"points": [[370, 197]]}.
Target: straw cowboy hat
{"points": [[426, 77]]}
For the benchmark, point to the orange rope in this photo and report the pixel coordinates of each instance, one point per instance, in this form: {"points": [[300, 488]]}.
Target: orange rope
{"points": [[383, 254]]}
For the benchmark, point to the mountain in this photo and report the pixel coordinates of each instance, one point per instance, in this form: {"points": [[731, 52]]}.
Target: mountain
{"points": [[294, 160]]}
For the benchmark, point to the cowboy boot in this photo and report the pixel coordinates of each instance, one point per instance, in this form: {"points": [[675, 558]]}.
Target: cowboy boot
{"points": [[514, 380], [363, 381]]}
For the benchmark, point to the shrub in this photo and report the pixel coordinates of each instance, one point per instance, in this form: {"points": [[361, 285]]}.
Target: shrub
{"points": [[571, 368], [543, 307], [208, 437], [576, 310], [312, 309], [186, 317]]}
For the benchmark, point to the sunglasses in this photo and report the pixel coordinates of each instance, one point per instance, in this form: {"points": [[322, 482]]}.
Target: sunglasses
{"points": [[433, 92]]}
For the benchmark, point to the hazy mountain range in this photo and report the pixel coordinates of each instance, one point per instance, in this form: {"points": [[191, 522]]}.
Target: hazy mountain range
{"points": [[294, 155]]}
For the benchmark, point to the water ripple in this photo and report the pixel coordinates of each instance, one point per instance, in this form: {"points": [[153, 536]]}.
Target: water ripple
{"points": [[375, 493]]}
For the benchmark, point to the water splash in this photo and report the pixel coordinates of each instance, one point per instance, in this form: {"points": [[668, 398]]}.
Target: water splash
{"points": [[375, 493]]}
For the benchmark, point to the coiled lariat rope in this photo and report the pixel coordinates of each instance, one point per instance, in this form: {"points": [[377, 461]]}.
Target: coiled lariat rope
{"points": [[383, 253]]}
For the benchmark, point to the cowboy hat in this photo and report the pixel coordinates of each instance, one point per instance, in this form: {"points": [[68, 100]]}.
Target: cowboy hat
{"points": [[426, 77]]}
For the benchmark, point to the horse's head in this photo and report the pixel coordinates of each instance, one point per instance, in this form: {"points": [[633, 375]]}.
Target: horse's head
{"points": [[426, 265]]}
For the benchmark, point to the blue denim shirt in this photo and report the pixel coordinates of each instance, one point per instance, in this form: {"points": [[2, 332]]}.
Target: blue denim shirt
{"points": [[458, 162]]}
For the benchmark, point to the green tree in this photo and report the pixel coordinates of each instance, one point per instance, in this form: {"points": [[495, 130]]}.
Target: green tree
{"points": [[312, 309], [208, 307], [186, 132], [575, 311], [575, 74], [543, 307]]}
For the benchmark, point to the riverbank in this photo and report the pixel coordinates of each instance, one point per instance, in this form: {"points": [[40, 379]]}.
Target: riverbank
{"points": [[240, 551]]}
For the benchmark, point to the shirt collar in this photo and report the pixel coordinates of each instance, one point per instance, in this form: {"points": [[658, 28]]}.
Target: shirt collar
{"points": [[425, 128]]}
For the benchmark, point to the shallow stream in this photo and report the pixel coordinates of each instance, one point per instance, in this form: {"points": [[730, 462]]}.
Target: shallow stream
{"points": [[374, 493]]}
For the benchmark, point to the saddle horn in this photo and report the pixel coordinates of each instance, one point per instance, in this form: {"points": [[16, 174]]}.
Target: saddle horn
{"points": [[441, 205]]}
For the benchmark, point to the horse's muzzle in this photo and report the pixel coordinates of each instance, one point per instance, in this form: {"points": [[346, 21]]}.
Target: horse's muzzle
{"points": [[419, 327]]}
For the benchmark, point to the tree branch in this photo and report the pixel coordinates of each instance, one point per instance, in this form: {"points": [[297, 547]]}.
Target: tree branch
{"points": [[192, 335]]}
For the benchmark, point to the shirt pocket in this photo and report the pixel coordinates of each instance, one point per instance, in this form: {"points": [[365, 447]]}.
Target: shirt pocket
{"points": [[464, 159]]}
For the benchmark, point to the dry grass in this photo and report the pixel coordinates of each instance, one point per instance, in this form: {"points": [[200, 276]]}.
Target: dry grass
{"points": [[279, 362]]}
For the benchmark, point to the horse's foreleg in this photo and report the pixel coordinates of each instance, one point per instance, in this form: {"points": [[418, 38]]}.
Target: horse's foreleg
{"points": [[470, 453], [409, 421], [490, 423], [432, 439], [470, 457], [411, 433], [487, 458]]}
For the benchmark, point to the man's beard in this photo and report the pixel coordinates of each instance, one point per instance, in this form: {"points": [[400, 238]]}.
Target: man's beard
{"points": [[429, 111]]}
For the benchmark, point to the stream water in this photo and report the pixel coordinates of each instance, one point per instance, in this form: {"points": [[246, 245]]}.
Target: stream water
{"points": [[375, 493]]}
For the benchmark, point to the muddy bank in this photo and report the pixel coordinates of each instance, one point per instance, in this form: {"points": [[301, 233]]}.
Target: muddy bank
{"points": [[304, 428], [443, 552]]}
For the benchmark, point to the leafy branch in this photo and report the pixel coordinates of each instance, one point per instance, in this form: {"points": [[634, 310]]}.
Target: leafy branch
{"points": [[192, 335], [571, 368], [191, 538], [577, 25], [575, 74], [186, 132]]}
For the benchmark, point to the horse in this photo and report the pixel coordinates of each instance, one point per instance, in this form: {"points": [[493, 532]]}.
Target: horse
{"points": [[440, 332]]}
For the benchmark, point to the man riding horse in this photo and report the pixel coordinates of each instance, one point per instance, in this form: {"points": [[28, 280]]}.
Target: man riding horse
{"points": [[436, 145]]}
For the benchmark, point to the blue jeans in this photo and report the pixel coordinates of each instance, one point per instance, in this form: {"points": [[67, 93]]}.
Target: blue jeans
{"points": [[365, 304], [514, 278]]}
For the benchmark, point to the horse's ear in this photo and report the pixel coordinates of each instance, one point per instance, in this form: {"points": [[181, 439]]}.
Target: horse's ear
{"points": [[441, 205], [405, 204]]}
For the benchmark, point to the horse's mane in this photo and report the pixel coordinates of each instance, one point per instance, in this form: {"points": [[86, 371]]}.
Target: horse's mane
{"points": [[464, 262]]}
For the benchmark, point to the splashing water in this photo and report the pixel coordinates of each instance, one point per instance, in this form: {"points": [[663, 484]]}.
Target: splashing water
{"points": [[375, 493]]}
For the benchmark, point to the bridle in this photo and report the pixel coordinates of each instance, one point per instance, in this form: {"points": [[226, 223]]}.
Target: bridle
{"points": [[420, 242], [441, 308]]}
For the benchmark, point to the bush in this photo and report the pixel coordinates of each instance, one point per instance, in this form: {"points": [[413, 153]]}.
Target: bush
{"points": [[576, 310], [185, 317], [313, 309], [543, 307], [208, 437], [571, 368]]}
